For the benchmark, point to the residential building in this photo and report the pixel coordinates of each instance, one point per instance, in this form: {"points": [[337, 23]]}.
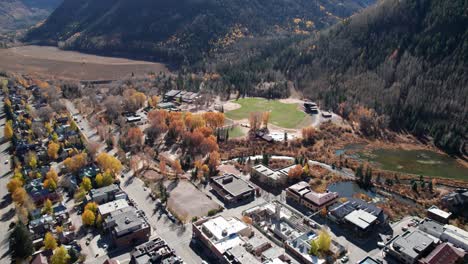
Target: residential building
{"points": [[171, 95], [232, 189], [302, 194], [444, 254], [456, 201], [411, 246], [128, 227], [439, 215], [154, 251], [107, 208], [104, 194], [270, 177], [221, 234]]}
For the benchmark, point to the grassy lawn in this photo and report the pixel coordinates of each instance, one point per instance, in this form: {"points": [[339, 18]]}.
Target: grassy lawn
{"points": [[282, 115], [236, 132]]}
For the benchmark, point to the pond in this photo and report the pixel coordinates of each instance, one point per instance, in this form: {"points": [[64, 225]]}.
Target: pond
{"points": [[349, 189], [419, 162]]}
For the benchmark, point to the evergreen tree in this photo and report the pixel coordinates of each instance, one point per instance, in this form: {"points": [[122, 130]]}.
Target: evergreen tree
{"points": [[21, 245], [265, 159]]}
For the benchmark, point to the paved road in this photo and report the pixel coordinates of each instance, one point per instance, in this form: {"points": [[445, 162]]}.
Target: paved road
{"points": [[6, 207]]}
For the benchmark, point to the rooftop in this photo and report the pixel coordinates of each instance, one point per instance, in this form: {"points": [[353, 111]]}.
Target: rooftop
{"points": [[361, 218], [223, 233], [110, 207], [320, 198], [127, 222], [455, 232], [272, 174], [240, 254], [443, 253], [233, 184], [104, 190], [435, 210], [300, 188], [432, 227], [413, 243], [368, 260], [172, 93]]}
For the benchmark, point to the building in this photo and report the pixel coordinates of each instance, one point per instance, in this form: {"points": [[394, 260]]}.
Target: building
{"points": [[270, 177], [232, 189], [154, 251], [128, 227], [360, 220], [338, 212], [104, 194], [439, 215], [456, 202], [300, 247], [368, 260], [444, 254], [302, 194], [431, 227], [411, 246], [447, 233], [311, 107], [456, 236], [107, 208], [166, 106], [133, 119], [171, 95], [221, 234]]}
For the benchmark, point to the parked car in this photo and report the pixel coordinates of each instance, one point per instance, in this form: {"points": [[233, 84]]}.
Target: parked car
{"points": [[344, 259], [380, 244]]}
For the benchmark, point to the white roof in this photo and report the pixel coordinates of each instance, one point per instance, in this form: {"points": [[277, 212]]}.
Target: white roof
{"points": [[455, 232], [439, 212], [217, 225], [361, 218], [112, 206]]}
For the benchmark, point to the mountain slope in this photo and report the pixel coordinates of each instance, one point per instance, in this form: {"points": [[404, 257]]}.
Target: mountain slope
{"points": [[407, 59], [21, 14], [182, 29]]}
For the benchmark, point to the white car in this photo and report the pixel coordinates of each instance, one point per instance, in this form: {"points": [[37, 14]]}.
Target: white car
{"points": [[7, 161], [344, 259]]}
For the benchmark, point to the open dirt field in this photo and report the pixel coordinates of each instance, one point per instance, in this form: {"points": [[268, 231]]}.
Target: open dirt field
{"points": [[52, 62], [186, 201]]}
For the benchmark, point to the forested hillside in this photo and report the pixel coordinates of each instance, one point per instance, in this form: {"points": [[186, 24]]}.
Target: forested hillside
{"points": [[21, 14], [182, 30], [407, 59]]}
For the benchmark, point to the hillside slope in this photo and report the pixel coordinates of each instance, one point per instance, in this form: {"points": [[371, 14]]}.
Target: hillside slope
{"points": [[407, 59], [21, 14], [183, 29]]}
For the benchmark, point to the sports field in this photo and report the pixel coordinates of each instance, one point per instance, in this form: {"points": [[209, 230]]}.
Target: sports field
{"points": [[282, 115]]}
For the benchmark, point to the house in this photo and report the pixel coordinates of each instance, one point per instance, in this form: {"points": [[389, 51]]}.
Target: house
{"points": [[326, 114], [128, 227], [104, 194], [221, 234], [171, 95], [264, 136], [411, 246], [444, 254], [368, 260], [301, 193], [439, 215], [232, 189], [311, 107], [166, 106], [456, 202], [270, 177], [154, 251], [133, 119], [40, 226]]}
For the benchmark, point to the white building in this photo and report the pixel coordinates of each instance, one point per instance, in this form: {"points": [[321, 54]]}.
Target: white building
{"points": [[457, 236]]}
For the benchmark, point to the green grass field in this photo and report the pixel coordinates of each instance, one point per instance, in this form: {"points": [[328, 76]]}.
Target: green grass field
{"points": [[236, 132], [282, 115]]}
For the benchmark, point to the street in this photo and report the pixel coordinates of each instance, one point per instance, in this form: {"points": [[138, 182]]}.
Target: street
{"points": [[6, 207]]}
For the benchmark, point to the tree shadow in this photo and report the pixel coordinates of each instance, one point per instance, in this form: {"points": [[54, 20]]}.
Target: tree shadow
{"points": [[8, 215]]}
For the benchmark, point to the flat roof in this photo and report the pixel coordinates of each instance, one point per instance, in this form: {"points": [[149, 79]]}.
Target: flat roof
{"points": [[241, 254], [455, 232], [112, 206], [361, 218], [435, 210], [233, 184], [172, 93], [221, 227], [412, 243], [127, 222], [104, 190], [320, 198]]}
